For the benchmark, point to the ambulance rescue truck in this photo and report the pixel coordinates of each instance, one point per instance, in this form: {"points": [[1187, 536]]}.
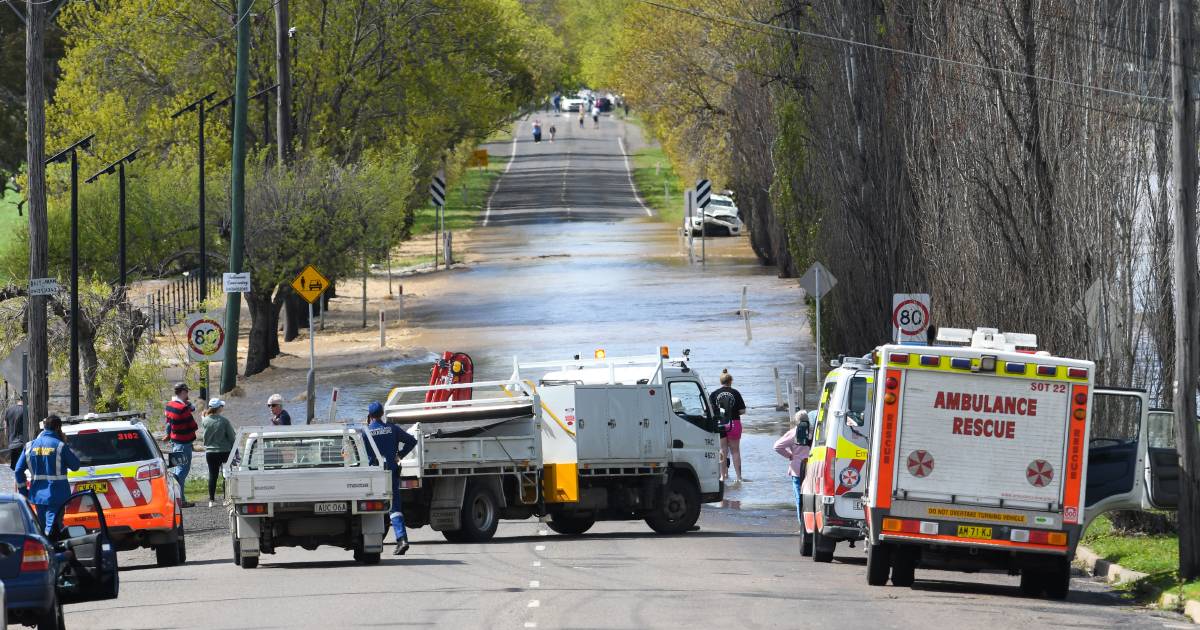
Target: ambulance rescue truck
{"points": [[577, 441], [991, 455]]}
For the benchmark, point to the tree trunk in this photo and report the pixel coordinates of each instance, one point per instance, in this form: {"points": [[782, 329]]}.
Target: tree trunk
{"points": [[296, 316], [135, 325], [91, 364], [262, 332], [35, 131]]}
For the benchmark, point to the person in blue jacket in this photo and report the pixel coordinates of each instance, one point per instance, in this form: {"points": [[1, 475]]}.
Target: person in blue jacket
{"points": [[47, 460], [388, 438]]}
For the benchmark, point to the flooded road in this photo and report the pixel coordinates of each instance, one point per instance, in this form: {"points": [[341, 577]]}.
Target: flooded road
{"points": [[572, 263]]}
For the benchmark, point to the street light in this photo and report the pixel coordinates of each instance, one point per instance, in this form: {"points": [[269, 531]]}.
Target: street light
{"points": [[71, 153], [198, 106], [119, 167]]}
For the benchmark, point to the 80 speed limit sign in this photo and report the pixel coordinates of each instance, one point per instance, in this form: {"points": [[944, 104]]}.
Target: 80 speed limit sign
{"points": [[205, 336], [910, 317]]}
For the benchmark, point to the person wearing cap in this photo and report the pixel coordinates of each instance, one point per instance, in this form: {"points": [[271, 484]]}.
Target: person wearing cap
{"points": [[217, 434], [795, 446], [388, 438], [279, 415], [14, 424], [181, 433], [46, 460]]}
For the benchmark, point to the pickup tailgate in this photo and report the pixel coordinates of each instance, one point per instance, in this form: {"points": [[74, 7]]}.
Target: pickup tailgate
{"points": [[984, 439], [309, 485]]}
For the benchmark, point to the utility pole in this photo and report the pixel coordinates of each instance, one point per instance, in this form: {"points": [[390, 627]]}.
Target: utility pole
{"points": [[119, 166], [241, 89], [39, 230], [1187, 319], [283, 78]]}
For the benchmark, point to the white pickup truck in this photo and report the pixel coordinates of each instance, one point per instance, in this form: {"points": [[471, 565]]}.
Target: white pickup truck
{"points": [[306, 486]]}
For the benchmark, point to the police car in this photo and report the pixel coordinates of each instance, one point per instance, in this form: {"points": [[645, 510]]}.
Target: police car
{"points": [[122, 464]]}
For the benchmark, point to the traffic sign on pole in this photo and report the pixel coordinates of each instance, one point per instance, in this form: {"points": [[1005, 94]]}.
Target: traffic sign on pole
{"points": [[817, 281], [910, 318], [236, 282], [44, 286], [437, 190], [703, 193], [310, 284], [205, 337]]}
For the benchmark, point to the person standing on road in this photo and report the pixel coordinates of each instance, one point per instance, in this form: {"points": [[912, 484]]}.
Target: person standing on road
{"points": [[581, 115], [46, 460], [729, 406], [181, 433], [388, 438], [552, 132], [595, 115], [537, 131], [14, 428], [795, 446], [279, 415], [217, 434]]}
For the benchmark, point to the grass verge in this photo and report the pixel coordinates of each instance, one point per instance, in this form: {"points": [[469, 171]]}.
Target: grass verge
{"points": [[658, 184], [465, 198], [9, 222], [1156, 555]]}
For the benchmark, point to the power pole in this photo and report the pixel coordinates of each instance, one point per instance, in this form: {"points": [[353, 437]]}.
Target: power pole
{"points": [[39, 230], [241, 90], [1187, 319], [283, 71]]}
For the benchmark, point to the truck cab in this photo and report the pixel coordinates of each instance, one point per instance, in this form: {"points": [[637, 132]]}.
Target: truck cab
{"points": [[832, 491], [1133, 463]]}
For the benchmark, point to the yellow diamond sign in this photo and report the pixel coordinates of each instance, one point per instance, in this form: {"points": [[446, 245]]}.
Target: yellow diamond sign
{"points": [[310, 284]]}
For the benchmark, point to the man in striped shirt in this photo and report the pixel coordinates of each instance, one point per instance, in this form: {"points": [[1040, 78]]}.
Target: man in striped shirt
{"points": [[181, 432]]}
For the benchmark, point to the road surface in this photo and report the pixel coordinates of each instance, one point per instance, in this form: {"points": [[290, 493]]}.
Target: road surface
{"points": [[575, 264]]}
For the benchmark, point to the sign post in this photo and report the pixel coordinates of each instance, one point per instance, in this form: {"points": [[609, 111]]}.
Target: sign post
{"points": [[437, 194], [703, 196], [817, 281], [910, 318], [310, 284]]}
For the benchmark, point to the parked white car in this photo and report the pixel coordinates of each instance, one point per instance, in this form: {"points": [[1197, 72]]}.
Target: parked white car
{"points": [[573, 103], [720, 218]]}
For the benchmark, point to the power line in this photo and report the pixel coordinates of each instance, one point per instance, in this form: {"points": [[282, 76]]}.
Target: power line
{"points": [[842, 40]]}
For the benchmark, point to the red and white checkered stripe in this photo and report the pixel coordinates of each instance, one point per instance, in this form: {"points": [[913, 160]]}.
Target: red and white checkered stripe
{"points": [[122, 492]]}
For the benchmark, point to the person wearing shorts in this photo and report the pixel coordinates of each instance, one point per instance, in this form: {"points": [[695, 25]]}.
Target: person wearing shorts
{"points": [[729, 399]]}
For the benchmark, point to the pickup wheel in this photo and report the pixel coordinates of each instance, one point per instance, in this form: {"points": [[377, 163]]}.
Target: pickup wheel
{"points": [[568, 525], [250, 562], [806, 543], [369, 558], [879, 563], [237, 552], [679, 510], [823, 547], [480, 514]]}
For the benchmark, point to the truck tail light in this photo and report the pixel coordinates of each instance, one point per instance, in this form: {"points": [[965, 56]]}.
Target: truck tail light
{"points": [[906, 526], [372, 506], [149, 471], [1043, 537], [827, 471], [34, 557], [252, 508]]}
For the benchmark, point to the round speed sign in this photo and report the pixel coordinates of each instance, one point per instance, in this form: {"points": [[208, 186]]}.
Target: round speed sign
{"points": [[910, 317], [206, 337]]}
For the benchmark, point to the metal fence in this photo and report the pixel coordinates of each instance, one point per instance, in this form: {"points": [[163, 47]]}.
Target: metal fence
{"points": [[168, 305]]}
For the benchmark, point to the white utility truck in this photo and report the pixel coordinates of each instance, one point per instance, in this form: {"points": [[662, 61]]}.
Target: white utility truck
{"points": [[578, 441], [983, 456], [306, 486]]}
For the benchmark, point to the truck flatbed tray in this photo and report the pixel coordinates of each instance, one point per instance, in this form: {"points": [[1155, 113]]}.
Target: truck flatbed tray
{"points": [[501, 411], [459, 429]]}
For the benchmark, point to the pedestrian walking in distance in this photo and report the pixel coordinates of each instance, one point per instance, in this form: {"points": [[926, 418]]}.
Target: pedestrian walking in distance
{"points": [[217, 434], [795, 446], [552, 132], [46, 461], [14, 428], [537, 131], [181, 433], [581, 116], [729, 407], [388, 438], [596, 116], [279, 415]]}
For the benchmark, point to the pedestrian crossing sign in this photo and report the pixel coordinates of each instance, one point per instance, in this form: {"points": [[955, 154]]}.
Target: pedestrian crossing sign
{"points": [[310, 284]]}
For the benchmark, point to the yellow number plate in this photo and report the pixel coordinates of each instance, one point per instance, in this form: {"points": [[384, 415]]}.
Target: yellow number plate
{"points": [[973, 531], [99, 487]]}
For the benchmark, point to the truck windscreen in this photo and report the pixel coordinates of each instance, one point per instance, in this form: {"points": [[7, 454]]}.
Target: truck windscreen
{"points": [[105, 448]]}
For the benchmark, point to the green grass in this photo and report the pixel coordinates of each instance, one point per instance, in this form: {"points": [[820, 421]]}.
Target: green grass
{"points": [[462, 211], [658, 184], [196, 488], [9, 222], [1156, 555]]}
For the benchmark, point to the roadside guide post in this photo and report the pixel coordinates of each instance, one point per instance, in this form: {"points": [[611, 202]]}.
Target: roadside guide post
{"points": [[689, 203], [817, 281], [437, 194], [310, 284], [703, 196]]}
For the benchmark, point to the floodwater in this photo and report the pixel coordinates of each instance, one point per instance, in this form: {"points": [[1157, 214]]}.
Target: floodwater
{"points": [[557, 282]]}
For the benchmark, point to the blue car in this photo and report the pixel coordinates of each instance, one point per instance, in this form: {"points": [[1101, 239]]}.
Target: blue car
{"points": [[74, 564]]}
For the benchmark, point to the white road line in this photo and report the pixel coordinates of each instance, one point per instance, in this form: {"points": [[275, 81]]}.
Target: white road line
{"points": [[534, 584], [530, 624], [537, 563], [629, 173], [542, 532], [533, 603], [512, 156], [540, 548]]}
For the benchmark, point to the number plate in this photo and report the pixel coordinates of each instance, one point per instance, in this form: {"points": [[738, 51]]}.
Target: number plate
{"points": [[973, 531], [329, 508], [99, 487], [858, 505]]}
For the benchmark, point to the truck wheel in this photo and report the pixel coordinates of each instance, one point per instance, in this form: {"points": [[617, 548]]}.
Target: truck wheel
{"points": [[823, 547], [879, 563], [249, 562], [369, 558], [454, 536], [1057, 581], [680, 508], [904, 566], [480, 514], [570, 525], [806, 544], [1031, 583]]}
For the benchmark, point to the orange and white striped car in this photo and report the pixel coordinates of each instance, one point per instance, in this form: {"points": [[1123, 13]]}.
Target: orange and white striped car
{"points": [[123, 465]]}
